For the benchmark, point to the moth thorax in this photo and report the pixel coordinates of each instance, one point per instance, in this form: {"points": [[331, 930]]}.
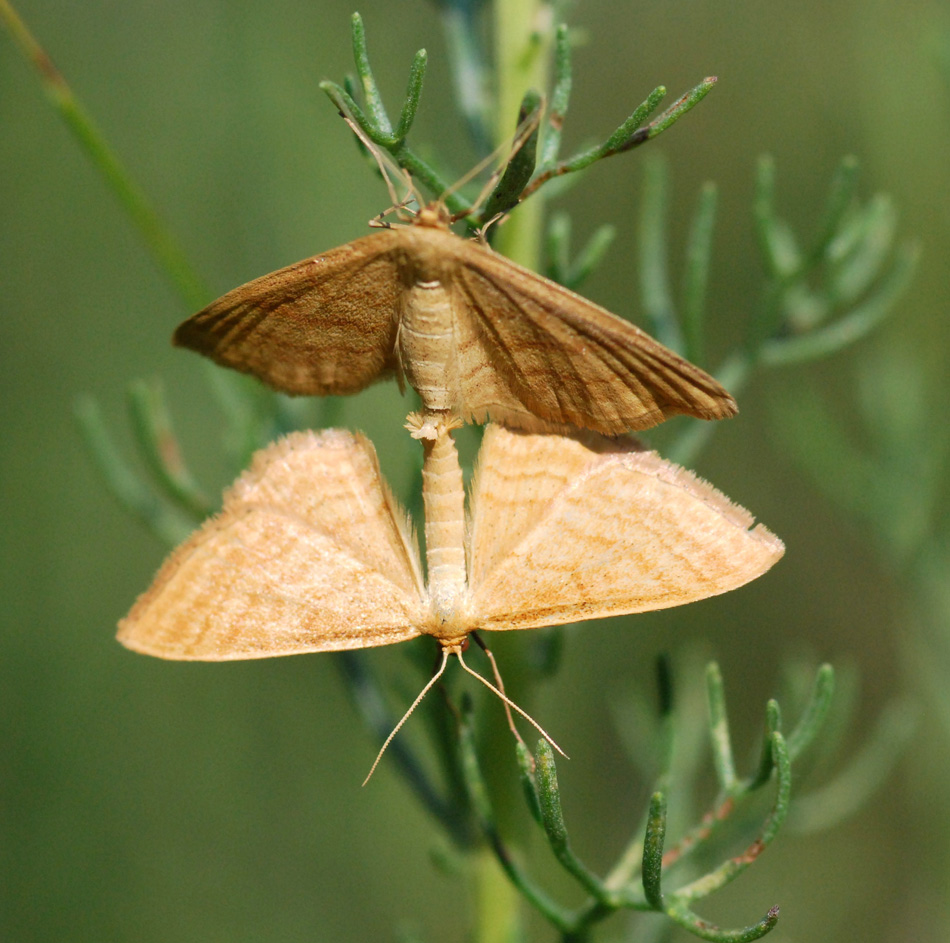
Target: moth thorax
{"points": [[448, 615], [427, 346]]}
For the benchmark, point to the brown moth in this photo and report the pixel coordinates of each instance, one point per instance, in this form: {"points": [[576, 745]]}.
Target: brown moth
{"points": [[476, 335], [311, 553]]}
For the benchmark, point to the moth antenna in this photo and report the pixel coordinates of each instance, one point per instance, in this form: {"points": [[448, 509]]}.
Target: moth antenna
{"points": [[405, 717], [501, 687], [377, 222], [387, 167], [521, 135], [512, 704]]}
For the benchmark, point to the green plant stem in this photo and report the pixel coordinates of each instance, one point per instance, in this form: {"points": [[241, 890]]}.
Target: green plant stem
{"points": [[522, 64], [852, 788], [656, 296], [157, 237], [555, 827], [159, 448], [721, 742], [469, 73], [698, 253], [522, 55], [497, 901], [707, 931], [138, 499], [653, 851], [498, 911], [164, 248]]}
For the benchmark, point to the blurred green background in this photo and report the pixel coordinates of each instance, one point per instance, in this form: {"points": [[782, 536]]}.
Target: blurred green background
{"points": [[142, 800]]}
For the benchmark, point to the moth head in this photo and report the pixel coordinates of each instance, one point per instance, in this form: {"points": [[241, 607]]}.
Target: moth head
{"points": [[434, 215]]}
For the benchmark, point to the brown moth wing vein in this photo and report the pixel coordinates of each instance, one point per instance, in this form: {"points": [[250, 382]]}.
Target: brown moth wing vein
{"points": [[332, 481], [275, 579], [491, 381], [324, 325], [516, 477], [521, 358], [556, 362], [225, 595], [617, 377], [642, 535]]}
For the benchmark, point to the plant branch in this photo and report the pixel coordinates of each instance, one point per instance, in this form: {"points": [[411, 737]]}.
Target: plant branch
{"points": [[156, 236]]}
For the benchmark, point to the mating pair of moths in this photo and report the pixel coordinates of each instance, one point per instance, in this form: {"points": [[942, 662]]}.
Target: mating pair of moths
{"points": [[310, 551]]}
